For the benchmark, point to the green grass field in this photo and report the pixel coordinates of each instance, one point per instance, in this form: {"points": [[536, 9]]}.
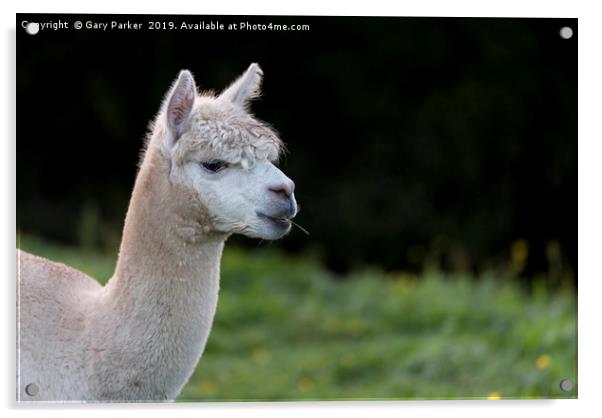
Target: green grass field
{"points": [[286, 329]]}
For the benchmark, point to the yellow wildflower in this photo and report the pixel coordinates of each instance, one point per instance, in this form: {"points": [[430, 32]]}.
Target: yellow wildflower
{"points": [[494, 396], [543, 361]]}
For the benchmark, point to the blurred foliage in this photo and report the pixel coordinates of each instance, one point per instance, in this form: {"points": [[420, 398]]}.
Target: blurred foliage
{"points": [[414, 142], [285, 329]]}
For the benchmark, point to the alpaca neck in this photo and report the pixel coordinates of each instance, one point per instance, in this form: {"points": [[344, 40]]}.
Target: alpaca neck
{"points": [[159, 306]]}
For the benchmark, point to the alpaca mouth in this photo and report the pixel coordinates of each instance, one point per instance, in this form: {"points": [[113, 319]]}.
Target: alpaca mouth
{"points": [[278, 221]]}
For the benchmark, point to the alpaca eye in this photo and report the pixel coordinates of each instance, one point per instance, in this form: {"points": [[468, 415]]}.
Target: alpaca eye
{"points": [[214, 166]]}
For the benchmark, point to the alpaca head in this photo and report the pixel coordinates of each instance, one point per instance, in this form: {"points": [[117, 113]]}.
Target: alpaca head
{"points": [[224, 158]]}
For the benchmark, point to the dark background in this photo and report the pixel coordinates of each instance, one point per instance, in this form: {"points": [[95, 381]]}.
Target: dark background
{"points": [[413, 142]]}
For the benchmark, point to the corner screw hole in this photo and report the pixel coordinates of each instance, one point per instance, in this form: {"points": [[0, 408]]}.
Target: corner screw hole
{"points": [[32, 389], [566, 385], [32, 28], [566, 33]]}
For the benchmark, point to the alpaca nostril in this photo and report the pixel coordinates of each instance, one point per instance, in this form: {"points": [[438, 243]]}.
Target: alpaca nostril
{"points": [[283, 190], [280, 191]]}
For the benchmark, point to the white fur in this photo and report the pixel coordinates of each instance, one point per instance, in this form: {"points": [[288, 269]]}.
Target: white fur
{"points": [[139, 338]]}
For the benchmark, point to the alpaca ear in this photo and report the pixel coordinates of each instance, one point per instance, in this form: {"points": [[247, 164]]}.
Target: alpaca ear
{"points": [[180, 101], [246, 88]]}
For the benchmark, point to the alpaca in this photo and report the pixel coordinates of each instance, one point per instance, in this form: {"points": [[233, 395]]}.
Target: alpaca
{"points": [[207, 172]]}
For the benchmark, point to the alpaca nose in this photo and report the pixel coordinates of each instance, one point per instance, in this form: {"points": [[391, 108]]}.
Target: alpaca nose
{"points": [[284, 189]]}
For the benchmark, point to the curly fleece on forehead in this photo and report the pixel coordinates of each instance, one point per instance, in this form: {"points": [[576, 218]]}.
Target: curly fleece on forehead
{"points": [[219, 130]]}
